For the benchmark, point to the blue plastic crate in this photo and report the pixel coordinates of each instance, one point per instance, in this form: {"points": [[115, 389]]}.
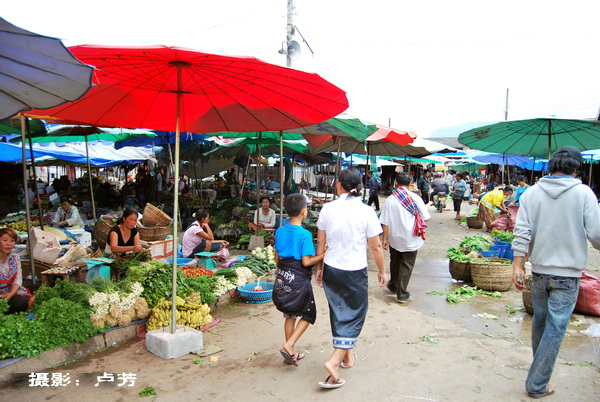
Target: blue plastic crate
{"points": [[251, 296]]}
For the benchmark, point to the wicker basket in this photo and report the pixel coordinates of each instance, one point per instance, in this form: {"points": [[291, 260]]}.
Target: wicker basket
{"points": [[155, 233], [528, 300], [105, 223], [461, 271], [153, 216], [494, 275], [474, 223]]}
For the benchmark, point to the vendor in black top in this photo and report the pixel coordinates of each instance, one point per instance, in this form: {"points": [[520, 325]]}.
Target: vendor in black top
{"points": [[124, 238], [124, 244]]}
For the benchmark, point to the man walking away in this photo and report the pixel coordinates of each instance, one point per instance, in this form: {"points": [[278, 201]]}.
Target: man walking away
{"points": [[403, 221], [555, 217], [373, 190], [423, 185]]}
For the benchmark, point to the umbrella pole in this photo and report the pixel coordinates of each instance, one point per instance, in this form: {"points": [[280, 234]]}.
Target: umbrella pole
{"points": [[87, 155], [366, 173], [590, 178], [337, 167], [258, 181], [176, 203], [549, 139], [244, 178], [327, 183], [281, 178], [532, 170], [37, 192], [26, 192]]}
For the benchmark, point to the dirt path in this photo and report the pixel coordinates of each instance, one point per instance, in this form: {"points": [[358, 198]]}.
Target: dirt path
{"points": [[425, 350]]}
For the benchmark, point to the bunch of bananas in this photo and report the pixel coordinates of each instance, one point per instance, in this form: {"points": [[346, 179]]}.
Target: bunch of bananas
{"points": [[189, 312]]}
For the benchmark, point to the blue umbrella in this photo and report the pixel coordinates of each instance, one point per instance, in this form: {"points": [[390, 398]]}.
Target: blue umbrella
{"points": [[502, 159]]}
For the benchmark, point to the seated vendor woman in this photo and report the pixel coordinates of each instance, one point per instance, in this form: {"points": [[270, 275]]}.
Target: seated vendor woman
{"points": [[124, 238], [67, 214], [199, 237], [11, 278], [264, 217]]}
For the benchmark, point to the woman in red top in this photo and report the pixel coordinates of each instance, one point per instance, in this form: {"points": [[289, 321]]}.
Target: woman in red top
{"points": [[11, 277]]}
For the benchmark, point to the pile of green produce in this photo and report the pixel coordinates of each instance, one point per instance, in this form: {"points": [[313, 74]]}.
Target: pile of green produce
{"points": [[503, 235], [479, 240], [58, 321], [158, 284], [457, 255], [244, 240], [463, 293]]}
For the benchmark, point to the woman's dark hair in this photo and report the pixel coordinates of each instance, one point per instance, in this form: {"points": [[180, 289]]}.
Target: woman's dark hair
{"points": [[66, 199], [521, 178], [460, 175], [265, 198], [403, 179], [351, 181], [126, 213], [13, 235], [507, 189], [200, 214]]}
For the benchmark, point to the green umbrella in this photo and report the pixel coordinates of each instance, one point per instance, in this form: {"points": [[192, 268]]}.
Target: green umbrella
{"points": [[248, 146], [534, 137]]}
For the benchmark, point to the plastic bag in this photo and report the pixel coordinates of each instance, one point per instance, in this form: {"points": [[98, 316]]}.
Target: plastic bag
{"points": [[588, 300], [593, 331], [504, 222]]}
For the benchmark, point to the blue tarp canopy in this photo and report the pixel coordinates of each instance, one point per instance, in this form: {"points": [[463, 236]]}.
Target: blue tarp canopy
{"points": [[13, 153], [502, 159], [162, 138]]}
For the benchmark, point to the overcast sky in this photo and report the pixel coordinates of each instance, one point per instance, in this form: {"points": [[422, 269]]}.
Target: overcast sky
{"points": [[426, 65]]}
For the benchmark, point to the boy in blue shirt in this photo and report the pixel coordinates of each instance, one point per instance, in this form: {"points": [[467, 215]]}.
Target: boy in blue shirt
{"points": [[292, 293]]}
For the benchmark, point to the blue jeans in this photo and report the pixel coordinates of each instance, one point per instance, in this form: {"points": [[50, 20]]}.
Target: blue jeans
{"points": [[554, 299]]}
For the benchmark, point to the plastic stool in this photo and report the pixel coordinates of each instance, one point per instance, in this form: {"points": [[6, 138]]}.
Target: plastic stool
{"points": [[206, 261]]}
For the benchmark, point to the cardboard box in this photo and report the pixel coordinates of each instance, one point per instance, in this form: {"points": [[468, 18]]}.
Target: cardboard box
{"points": [[161, 249], [45, 246]]}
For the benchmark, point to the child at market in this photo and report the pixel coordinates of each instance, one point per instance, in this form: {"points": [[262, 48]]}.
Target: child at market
{"points": [[292, 293]]}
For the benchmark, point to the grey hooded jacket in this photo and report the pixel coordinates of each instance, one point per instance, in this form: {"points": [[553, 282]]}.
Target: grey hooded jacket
{"points": [[554, 219]]}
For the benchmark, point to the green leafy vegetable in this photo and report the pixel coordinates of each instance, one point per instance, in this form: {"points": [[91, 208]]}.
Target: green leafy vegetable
{"points": [[503, 235], [148, 391]]}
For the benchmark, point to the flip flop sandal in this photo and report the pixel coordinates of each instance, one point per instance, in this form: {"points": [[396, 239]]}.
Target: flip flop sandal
{"points": [[288, 358], [543, 394], [347, 367], [332, 385], [298, 356]]}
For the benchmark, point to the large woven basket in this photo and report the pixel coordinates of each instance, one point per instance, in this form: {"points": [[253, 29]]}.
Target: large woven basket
{"points": [[528, 301], [474, 223], [103, 226], [492, 275], [461, 271], [153, 216], [155, 233]]}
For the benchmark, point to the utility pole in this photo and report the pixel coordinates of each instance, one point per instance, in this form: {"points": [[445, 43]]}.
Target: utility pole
{"points": [[290, 29], [506, 107]]}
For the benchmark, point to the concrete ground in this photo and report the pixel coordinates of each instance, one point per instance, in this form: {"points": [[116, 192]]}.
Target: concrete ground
{"points": [[425, 350]]}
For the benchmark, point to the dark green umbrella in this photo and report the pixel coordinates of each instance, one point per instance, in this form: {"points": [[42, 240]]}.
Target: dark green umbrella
{"points": [[534, 137]]}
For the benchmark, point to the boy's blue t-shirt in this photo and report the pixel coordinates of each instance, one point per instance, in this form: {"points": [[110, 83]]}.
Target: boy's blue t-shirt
{"points": [[292, 241]]}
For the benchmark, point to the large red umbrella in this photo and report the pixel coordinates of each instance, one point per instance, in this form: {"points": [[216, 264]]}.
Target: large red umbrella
{"points": [[138, 87], [161, 88]]}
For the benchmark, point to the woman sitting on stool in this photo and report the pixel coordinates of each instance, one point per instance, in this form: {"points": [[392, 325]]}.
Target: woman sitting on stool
{"points": [[199, 237], [11, 277], [264, 217]]}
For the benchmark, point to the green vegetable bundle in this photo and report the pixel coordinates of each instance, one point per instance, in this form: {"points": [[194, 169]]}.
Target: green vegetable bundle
{"points": [[503, 235], [257, 265], [455, 254], [477, 241]]}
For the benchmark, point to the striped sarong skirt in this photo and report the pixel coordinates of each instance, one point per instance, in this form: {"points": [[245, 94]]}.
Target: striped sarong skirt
{"points": [[347, 295]]}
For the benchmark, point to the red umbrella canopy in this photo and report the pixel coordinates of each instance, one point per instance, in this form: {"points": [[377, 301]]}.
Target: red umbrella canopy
{"points": [[388, 134], [138, 87]]}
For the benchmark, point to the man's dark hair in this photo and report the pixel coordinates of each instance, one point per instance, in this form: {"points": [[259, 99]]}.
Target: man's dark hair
{"points": [[565, 160], [403, 179], [507, 189], [460, 176], [521, 178], [294, 204]]}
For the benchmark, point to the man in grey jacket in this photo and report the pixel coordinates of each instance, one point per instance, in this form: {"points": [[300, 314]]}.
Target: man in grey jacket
{"points": [[555, 218]]}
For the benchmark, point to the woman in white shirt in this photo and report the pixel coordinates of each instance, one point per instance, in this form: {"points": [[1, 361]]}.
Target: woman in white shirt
{"points": [[347, 226], [67, 214], [264, 217]]}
